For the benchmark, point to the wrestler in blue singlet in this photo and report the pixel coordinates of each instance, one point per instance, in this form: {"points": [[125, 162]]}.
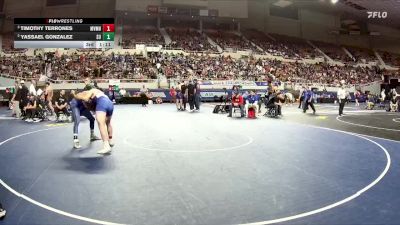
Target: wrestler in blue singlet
{"points": [[103, 104], [79, 109]]}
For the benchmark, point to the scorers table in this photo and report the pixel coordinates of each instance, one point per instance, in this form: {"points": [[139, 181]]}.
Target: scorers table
{"points": [[64, 33]]}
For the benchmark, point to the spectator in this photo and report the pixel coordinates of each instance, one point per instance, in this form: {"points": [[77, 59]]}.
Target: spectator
{"points": [[383, 95], [61, 105], [32, 88], [251, 101], [180, 67], [237, 102], [172, 92], [123, 92], [30, 108]]}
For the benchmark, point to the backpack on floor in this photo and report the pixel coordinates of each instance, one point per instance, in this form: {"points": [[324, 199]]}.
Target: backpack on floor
{"points": [[216, 109], [251, 113]]}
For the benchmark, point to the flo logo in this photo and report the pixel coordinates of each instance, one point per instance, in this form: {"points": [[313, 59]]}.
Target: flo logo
{"points": [[377, 15]]}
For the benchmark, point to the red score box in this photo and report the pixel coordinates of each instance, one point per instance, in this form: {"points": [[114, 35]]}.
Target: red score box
{"points": [[108, 27]]}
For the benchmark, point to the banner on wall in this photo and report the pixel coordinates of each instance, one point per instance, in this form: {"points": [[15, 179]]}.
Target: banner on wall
{"points": [[163, 10], [231, 83], [158, 94], [211, 94], [262, 83], [152, 9], [203, 12], [114, 82], [140, 47]]}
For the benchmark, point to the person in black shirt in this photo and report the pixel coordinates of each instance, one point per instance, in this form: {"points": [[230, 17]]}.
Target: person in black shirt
{"points": [[191, 95], [184, 95], [301, 98], [24, 97], [61, 104], [41, 101], [30, 108], [197, 97], [144, 95]]}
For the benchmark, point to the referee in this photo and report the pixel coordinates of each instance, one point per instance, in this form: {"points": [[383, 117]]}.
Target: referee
{"points": [[341, 95]]}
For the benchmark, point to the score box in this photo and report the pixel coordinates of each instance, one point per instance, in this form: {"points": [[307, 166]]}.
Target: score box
{"points": [[89, 44], [104, 44], [108, 36], [108, 27]]}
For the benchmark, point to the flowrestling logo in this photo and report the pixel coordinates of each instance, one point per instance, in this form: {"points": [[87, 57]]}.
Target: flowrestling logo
{"points": [[377, 15]]}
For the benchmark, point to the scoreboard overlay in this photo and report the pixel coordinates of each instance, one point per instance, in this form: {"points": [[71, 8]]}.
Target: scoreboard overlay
{"points": [[64, 33]]}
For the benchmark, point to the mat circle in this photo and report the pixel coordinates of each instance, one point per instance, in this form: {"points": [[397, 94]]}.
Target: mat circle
{"points": [[283, 219]]}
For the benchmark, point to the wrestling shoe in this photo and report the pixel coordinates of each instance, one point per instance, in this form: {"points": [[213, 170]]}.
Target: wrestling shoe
{"points": [[76, 144], [2, 213], [110, 141], [94, 138], [106, 150]]}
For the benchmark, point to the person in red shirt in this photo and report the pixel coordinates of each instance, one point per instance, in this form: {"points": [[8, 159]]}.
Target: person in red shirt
{"points": [[172, 92], [237, 102]]}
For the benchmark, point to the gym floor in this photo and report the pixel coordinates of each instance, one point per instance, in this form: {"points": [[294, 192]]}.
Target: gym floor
{"points": [[170, 167]]}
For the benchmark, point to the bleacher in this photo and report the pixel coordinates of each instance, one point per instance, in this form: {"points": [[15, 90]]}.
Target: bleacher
{"points": [[390, 59], [335, 52], [189, 39], [229, 41], [141, 35], [8, 44], [361, 55]]}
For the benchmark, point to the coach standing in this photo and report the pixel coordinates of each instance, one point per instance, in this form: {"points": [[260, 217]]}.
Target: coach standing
{"points": [[341, 95], [184, 91], [16, 99], [24, 96], [197, 97], [191, 92]]}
